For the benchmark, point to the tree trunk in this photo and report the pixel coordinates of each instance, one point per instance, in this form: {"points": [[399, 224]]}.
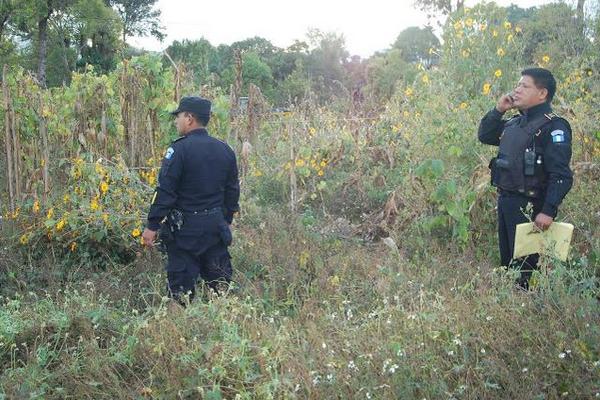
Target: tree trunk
{"points": [[460, 4], [581, 16], [43, 43]]}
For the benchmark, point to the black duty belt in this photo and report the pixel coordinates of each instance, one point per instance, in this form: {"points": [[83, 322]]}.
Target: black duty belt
{"points": [[510, 193], [207, 211]]}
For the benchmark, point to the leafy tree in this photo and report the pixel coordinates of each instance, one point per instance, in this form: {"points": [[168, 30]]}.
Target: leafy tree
{"points": [[8, 9], [199, 55], [31, 21], [255, 71], [325, 63], [415, 44], [516, 14], [139, 18], [95, 30], [294, 87], [384, 71], [59, 35], [551, 30], [444, 6]]}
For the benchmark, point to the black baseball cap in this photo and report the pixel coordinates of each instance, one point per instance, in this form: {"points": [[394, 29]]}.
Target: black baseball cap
{"points": [[194, 104]]}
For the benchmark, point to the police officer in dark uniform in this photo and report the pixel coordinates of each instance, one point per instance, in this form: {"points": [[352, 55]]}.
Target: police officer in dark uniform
{"points": [[194, 203], [532, 165]]}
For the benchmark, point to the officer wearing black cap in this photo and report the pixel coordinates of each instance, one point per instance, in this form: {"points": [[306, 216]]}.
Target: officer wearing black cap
{"points": [[532, 165], [195, 201]]}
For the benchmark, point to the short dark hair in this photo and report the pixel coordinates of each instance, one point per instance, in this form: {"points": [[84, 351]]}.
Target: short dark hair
{"points": [[202, 119], [543, 79]]}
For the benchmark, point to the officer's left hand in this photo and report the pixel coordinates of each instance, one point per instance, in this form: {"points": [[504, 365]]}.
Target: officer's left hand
{"points": [[148, 237], [543, 221]]}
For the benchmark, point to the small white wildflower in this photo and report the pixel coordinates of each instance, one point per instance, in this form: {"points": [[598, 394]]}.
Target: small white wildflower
{"points": [[385, 365], [297, 387], [524, 370], [368, 395], [324, 345], [451, 353], [564, 394], [562, 355], [488, 318], [568, 351], [482, 351], [329, 377], [597, 363], [393, 368], [522, 304], [353, 366], [457, 341], [389, 321], [385, 301]]}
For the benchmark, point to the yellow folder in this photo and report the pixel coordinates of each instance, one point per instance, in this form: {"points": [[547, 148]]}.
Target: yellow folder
{"points": [[555, 241]]}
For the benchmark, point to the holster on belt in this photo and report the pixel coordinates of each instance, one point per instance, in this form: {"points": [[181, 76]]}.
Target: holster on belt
{"points": [[168, 226]]}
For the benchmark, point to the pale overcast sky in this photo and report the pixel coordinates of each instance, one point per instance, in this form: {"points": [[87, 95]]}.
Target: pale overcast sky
{"points": [[368, 26]]}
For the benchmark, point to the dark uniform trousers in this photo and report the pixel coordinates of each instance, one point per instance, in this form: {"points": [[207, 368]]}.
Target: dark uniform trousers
{"points": [[199, 250], [512, 210]]}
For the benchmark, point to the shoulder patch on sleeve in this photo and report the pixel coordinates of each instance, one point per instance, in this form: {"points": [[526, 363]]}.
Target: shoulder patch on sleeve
{"points": [[169, 153], [558, 136]]}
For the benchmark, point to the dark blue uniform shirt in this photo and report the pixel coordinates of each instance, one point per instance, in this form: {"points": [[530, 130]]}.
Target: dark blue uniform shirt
{"points": [[198, 173], [557, 153]]}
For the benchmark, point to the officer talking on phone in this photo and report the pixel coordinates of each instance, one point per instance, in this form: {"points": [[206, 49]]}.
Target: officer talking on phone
{"points": [[532, 165]]}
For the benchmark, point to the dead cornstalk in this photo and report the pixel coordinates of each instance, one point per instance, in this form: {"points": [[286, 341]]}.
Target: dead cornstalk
{"points": [[234, 98], [16, 153], [45, 151], [255, 112], [293, 181], [7, 137]]}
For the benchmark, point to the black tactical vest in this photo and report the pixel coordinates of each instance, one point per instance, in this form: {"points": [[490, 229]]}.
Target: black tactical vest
{"points": [[519, 165]]}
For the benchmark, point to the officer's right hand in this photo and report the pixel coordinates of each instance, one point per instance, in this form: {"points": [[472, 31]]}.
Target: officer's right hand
{"points": [[148, 237], [505, 103]]}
